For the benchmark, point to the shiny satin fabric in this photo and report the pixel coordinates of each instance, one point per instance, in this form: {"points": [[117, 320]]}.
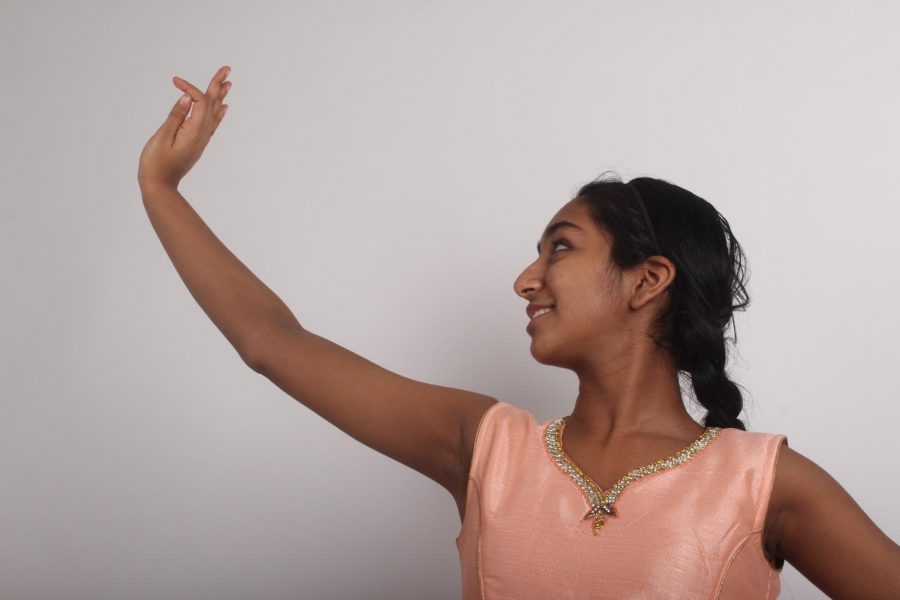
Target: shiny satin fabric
{"points": [[693, 531]]}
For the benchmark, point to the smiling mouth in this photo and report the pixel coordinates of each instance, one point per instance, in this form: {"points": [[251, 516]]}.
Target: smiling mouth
{"points": [[536, 317], [541, 313]]}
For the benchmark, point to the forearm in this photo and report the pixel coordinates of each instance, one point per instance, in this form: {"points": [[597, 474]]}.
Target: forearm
{"points": [[239, 304]]}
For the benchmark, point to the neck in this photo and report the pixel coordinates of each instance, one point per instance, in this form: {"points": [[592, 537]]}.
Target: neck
{"points": [[631, 394]]}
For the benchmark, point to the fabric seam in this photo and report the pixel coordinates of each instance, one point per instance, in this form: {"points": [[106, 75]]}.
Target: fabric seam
{"points": [[758, 527], [480, 569], [731, 558], [768, 485], [479, 433]]}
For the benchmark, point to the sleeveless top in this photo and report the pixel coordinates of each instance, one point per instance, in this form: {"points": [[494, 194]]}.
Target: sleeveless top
{"points": [[687, 526]]}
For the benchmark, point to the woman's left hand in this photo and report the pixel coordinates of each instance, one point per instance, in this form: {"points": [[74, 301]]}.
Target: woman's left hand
{"points": [[178, 143]]}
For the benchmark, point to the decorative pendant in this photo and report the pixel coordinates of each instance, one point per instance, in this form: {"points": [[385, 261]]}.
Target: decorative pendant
{"points": [[602, 503], [600, 511]]}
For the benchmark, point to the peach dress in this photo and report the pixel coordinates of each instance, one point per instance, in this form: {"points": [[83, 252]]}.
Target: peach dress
{"points": [[688, 526]]}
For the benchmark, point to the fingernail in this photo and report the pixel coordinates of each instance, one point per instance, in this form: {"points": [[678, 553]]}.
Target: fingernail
{"points": [[185, 99]]}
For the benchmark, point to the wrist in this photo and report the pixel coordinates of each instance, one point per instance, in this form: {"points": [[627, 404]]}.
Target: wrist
{"points": [[153, 188]]}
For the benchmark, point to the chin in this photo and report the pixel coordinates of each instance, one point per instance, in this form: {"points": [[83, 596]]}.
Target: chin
{"points": [[543, 353], [549, 351]]}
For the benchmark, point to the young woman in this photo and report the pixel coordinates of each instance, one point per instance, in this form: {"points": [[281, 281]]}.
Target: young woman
{"points": [[627, 497]]}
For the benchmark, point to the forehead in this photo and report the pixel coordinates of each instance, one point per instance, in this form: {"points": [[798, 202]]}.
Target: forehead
{"points": [[578, 213], [575, 211]]}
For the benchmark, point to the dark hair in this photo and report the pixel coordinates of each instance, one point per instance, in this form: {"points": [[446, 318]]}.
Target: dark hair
{"points": [[710, 276]]}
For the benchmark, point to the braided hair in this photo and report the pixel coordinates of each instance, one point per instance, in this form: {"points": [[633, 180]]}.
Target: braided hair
{"points": [[709, 284]]}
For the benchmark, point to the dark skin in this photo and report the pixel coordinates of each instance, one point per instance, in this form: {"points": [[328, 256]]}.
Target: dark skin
{"points": [[626, 387], [629, 411]]}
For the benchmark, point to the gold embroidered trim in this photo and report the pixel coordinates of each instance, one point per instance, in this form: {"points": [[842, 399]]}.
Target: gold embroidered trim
{"points": [[602, 503]]}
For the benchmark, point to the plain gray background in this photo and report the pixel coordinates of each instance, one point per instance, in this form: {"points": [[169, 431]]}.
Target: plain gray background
{"points": [[387, 168]]}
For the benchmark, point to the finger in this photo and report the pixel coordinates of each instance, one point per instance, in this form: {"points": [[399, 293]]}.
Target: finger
{"points": [[198, 97], [215, 84], [219, 116], [195, 94], [176, 117]]}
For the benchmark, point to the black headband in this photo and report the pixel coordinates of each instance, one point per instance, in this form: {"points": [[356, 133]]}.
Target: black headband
{"points": [[640, 202]]}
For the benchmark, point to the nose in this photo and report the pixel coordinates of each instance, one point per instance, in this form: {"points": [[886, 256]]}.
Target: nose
{"points": [[529, 282]]}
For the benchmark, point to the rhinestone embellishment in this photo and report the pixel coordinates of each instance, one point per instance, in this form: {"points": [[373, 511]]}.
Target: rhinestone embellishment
{"points": [[602, 503]]}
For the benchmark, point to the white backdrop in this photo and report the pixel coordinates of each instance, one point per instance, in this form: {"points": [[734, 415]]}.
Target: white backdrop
{"points": [[387, 168]]}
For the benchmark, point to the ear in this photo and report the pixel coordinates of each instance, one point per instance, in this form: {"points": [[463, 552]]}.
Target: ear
{"points": [[651, 279]]}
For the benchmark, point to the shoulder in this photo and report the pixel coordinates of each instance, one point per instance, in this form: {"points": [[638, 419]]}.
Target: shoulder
{"points": [[801, 488], [474, 422], [766, 453], [471, 429], [798, 484], [824, 533], [472, 419], [486, 420], [789, 464], [741, 448]]}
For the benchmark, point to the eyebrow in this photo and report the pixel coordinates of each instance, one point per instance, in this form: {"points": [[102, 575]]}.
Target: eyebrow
{"points": [[551, 229]]}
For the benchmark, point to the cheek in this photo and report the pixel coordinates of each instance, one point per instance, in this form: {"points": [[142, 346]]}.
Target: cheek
{"points": [[556, 279], [593, 310], [578, 296], [583, 289], [605, 288], [588, 298]]}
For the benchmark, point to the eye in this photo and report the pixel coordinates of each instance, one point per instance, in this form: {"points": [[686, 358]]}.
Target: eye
{"points": [[559, 241]]}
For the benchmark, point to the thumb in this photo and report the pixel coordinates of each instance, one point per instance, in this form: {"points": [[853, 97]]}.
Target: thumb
{"points": [[177, 115]]}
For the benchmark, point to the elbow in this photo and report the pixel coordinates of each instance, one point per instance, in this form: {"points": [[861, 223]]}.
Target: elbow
{"points": [[258, 350], [252, 358], [251, 355], [254, 365]]}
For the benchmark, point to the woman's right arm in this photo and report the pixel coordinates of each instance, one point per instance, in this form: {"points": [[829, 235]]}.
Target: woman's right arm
{"points": [[427, 427]]}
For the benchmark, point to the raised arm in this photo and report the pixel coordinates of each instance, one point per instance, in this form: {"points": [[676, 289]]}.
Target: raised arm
{"points": [[429, 428]]}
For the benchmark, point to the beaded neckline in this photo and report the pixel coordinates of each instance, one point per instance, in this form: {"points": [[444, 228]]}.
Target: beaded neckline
{"points": [[602, 502]]}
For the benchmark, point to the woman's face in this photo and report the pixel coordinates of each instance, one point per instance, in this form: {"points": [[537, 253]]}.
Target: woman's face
{"points": [[573, 273]]}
